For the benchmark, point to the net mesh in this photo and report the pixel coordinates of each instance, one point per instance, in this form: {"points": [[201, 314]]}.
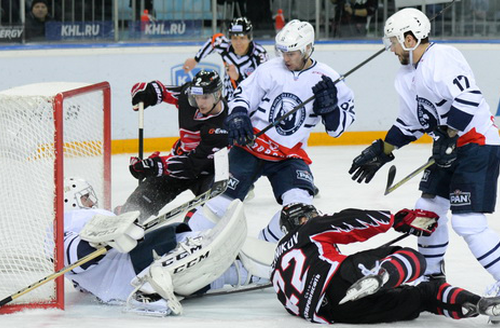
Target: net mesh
{"points": [[27, 175]]}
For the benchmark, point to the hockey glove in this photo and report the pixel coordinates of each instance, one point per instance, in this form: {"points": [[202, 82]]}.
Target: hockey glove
{"points": [[149, 93], [415, 222], [239, 127], [444, 148], [369, 162], [149, 167], [325, 93], [180, 167]]}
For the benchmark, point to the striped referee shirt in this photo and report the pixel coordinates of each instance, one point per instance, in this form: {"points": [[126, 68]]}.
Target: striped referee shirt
{"points": [[245, 65]]}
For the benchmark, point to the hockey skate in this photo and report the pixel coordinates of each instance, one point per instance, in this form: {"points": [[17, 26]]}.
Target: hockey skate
{"points": [[493, 289], [147, 304], [489, 306], [371, 283]]}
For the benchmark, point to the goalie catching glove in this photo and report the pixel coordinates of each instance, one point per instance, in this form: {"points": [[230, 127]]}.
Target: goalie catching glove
{"points": [[415, 222], [155, 166], [120, 232]]}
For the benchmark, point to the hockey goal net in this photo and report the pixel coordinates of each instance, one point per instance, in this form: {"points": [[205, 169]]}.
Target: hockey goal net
{"points": [[48, 131]]}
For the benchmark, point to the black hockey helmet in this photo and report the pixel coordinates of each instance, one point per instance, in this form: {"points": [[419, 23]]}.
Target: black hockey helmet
{"points": [[205, 82], [241, 26], [292, 213]]}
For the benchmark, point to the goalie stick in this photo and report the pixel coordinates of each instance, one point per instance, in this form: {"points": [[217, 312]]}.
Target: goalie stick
{"points": [[233, 290], [141, 133], [220, 184], [392, 174]]}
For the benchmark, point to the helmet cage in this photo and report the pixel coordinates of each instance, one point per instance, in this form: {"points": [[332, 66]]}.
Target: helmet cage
{"points": [[74, 190]]}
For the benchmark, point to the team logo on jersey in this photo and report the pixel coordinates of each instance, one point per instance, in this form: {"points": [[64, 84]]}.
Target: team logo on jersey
{"points": [[281, 105], [460, 198], [427, 114]]}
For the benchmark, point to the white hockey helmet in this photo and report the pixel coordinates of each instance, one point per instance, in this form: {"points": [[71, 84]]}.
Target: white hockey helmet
{"points": [[296, 35], [78, 194], [407, 20]]}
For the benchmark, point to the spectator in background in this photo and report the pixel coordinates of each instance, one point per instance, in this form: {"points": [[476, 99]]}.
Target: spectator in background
{"points": [[148, 4], [352, 17], [35, 20], [9, 12], [479, 8]]}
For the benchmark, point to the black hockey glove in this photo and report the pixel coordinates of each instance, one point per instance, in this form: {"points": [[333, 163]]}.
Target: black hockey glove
{"points": [[149, 167], [149, 93], [444, 148], [369, 162], [180, 167], [325, 93], [239, 127], [415, 222]]}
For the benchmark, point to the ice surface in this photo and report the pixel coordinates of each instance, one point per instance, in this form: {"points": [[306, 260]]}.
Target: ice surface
{"points": [[260, 308]]}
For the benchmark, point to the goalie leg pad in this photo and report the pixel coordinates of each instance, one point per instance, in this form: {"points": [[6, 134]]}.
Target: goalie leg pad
{"points": [[197, 262], [208, 216], [257, 256]]}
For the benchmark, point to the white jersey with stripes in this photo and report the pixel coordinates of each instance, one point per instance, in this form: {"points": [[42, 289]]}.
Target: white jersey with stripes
{"points": [[441, 90]]}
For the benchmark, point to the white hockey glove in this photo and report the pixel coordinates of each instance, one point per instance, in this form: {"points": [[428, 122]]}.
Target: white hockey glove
{"points": [[120, 232]]}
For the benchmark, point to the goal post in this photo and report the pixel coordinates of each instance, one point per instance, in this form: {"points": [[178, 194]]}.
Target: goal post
{"points": [[48, 132]]}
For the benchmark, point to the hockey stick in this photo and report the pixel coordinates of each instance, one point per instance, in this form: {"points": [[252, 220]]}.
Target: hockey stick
{"points": [[392, 174], [341, 78], [219, 186], [83, 260], [235, 290], [308, 100], [395, 240], [141, 133]]}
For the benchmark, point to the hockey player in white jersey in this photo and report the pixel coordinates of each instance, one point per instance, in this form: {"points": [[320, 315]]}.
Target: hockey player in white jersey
{"points": [[152, 272], [275, 88], [439, 96]]}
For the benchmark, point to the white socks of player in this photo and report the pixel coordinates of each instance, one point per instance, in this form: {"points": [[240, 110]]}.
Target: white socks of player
{"points": [[272, 232], [434, 246], [236, 275], [482, 241]]}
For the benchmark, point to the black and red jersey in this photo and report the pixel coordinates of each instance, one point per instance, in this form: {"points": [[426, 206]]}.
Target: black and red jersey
{"points": [[200, 135], [307, 258]]}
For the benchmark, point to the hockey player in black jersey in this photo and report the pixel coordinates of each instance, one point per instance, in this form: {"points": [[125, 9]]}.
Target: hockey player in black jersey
{"points": [[240, 54], [189, 165], [315, 281]]}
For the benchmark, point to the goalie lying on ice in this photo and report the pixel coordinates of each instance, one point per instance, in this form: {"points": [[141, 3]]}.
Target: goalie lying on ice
{"points": [[151, 272]]}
